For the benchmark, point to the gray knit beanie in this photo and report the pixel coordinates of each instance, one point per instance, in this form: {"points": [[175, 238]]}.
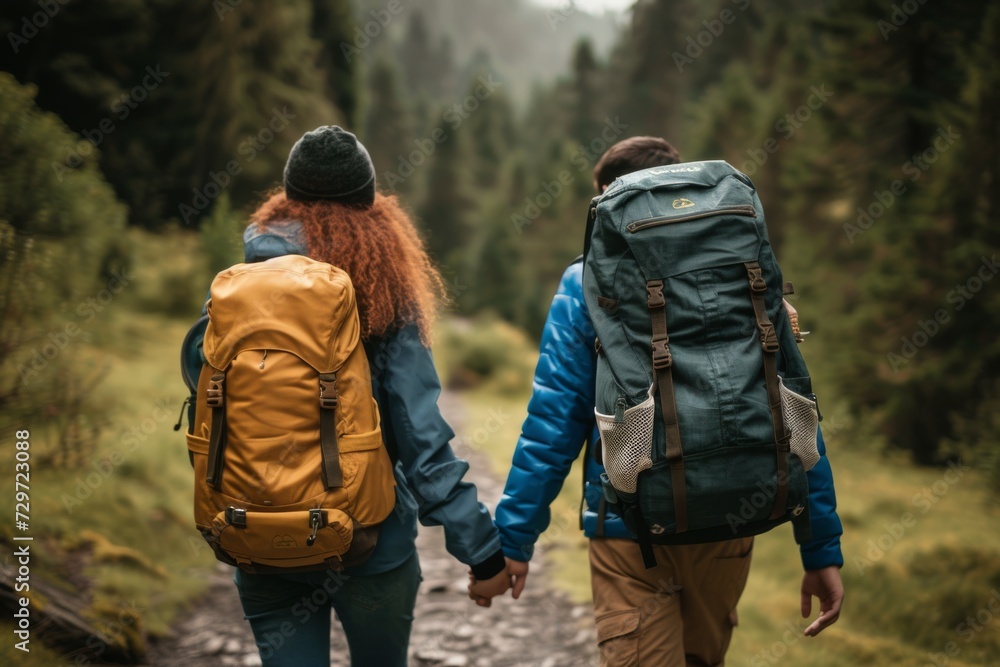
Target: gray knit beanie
{"points": [[330, 163]]}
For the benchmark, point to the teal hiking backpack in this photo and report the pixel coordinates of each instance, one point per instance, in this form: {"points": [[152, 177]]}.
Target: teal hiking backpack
{"points": [[704, 404]]}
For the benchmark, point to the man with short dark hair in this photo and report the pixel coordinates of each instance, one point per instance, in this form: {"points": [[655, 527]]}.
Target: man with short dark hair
{"points": [[682, 611], [633, 154]]}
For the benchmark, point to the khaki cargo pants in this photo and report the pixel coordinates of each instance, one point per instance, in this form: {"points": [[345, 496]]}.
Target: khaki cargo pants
{"points": [[680, 613]]}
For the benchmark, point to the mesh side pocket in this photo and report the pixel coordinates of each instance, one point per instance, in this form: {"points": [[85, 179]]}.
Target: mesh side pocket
{"points": [[627, 446], [802, 421]]}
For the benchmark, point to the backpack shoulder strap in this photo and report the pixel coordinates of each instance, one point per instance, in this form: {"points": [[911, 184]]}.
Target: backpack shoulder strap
{"points": [[191, 354], [663, 378], [591, 220], [770, 346]]}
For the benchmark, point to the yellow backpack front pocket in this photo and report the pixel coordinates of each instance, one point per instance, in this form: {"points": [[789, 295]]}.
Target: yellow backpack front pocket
{"points": [[298, 539]]}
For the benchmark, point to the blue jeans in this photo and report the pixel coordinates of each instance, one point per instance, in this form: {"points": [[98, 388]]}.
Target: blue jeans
{"points": [[290, 615]]}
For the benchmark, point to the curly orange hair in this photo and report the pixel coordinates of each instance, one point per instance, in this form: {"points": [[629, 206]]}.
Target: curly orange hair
{"points": [[394, 279]]}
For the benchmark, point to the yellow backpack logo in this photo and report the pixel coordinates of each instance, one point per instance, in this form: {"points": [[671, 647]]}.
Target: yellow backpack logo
{"points": [[683, 203]]}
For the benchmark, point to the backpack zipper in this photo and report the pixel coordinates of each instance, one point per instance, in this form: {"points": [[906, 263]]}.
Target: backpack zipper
{"points": [[639, 225]]}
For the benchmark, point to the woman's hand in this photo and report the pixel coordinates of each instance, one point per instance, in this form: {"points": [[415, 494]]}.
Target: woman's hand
{"points": [[484, 591]]}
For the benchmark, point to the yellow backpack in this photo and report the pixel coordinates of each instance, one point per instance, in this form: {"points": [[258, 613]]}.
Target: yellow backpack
{"points": [[290, 469]]}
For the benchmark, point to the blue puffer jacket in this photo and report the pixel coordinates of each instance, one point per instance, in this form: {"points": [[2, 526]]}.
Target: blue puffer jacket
{"points": [[561, 420]]}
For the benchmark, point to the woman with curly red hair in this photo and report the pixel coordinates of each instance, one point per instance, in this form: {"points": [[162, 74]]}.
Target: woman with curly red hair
{"points": [[329, 210]]}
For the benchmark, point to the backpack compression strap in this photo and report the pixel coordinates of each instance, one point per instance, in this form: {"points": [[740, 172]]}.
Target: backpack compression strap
{"points": [[662, 362], [770, 346], [332, 474], [216, 400]]}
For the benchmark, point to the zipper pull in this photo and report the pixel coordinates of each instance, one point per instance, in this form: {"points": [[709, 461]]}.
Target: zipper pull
{"points": [[316, 520], [180, 417], [262, 360]]}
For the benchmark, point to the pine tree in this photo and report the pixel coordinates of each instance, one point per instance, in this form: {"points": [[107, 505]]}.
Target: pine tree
{"points": [[904, 346], [234, 85], [59, 233], [388, 129], [650, 87], [257, 89], [332, 27], [588, 99], [491, 134], [445, 211], [418, 58]]}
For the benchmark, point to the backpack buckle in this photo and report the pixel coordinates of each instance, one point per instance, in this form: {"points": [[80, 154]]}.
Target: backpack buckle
{"points": [[654, 294], [757, 282], [236, 517], [215, 396], [661, 354], [328, 391], [768, 338], [317, 520]]}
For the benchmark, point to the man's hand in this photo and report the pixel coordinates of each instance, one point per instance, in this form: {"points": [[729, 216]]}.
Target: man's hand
{"points": [[790, 308], [484, 591], [827, 586], [518, 571]]}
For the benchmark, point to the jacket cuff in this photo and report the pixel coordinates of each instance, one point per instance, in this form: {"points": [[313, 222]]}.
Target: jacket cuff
{"points": [[523, 553], [490, 567], [822, 553]]}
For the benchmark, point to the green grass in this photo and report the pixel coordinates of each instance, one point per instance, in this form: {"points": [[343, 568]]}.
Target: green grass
{"points": [[121, 518], [904, 603]]}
